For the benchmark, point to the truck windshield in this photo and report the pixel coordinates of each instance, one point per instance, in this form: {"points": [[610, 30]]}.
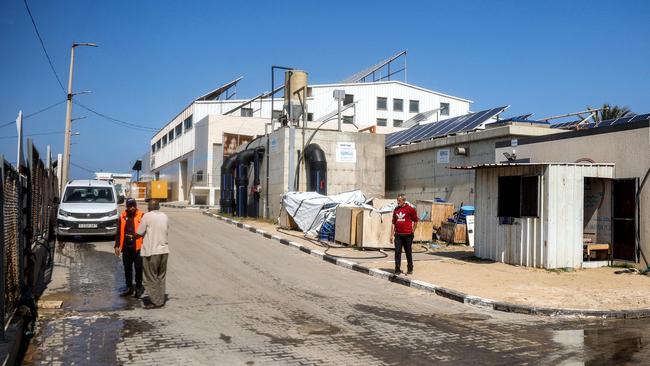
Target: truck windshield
{"points": [[88, 194]]}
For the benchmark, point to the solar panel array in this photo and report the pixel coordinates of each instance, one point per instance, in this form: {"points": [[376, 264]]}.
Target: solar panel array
{"points": [[609, 122], [523, 117], [442, 128]]}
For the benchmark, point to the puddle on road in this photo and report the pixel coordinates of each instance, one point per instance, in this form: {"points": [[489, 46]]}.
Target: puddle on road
{"points": [[94, 279], [85, 330], [579, 341]]}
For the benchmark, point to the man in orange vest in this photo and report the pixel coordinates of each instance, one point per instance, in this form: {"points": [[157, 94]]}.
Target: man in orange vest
{"points": [[127, 244]]}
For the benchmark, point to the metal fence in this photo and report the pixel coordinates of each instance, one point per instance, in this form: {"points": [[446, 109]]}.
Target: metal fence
{"points": [[28, 195]]}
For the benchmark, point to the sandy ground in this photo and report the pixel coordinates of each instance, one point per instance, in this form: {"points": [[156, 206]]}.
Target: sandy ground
{"points": [[456, 268]]}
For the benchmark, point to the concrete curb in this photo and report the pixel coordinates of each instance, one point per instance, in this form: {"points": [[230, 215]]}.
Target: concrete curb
{"points": [[195, 207], [442, 291]]}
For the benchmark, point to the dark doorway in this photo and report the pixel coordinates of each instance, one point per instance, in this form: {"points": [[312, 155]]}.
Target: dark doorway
{"points": [[624, 219]]}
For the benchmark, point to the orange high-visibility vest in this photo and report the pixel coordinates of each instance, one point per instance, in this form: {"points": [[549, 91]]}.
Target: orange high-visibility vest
{"points": [[137, 217]]}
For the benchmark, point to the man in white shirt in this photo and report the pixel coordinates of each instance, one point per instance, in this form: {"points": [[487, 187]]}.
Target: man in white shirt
{"points": [[154, 252]]}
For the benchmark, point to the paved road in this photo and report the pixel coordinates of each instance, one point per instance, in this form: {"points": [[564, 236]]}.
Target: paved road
{"points": [[238, 299]]}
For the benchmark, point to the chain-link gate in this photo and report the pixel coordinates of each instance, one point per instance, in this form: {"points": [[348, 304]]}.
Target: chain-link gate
{"points": [[29, 199]]}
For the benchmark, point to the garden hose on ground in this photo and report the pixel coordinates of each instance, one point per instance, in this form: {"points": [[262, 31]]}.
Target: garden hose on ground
{"points": [[329, 246]]}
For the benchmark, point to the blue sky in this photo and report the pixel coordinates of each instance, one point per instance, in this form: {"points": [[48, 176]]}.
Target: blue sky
{"points": [[541, 57]]}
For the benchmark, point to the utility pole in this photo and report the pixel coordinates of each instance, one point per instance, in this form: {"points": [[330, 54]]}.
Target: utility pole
{"points": [[65, 171]]}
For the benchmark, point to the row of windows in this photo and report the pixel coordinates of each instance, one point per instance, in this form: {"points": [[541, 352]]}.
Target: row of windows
{"points": [[414, 106], [384, 122], [174, 133]]}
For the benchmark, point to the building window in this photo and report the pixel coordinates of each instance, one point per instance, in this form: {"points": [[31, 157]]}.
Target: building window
{"points": [[382, 103], [199, 176], [247, 112], [179, 129], [153, 148], [276, 115], [444, 109], [349, 99], [310, 116], [414, 106], [158, 145], [348, 119], [309, 92], [164, 140], [170, 135], [187, 123], [382, 121], [398, 105], [518, 197], [397, 123]]}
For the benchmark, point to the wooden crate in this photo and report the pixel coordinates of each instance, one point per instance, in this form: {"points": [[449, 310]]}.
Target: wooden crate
{"points": [[373, 229], [346, 224], [286, 221], [424, 231], [459, 235], [434, 211]]}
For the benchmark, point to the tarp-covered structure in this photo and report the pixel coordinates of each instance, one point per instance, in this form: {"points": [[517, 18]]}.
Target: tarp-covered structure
{"points": [[310, 210]]}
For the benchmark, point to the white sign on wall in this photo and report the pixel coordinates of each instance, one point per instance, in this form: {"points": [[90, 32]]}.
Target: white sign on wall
{"points": [[346, 152], [273, 144], [443, 156]]}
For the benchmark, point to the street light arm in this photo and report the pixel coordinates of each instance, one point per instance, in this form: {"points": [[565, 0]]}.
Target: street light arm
{"points": [[85, 44]]}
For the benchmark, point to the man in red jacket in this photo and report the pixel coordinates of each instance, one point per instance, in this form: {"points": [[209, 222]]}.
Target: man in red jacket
{"points": [[405, 220]]}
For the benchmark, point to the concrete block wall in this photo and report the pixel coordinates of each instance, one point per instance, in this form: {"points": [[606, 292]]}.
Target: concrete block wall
{"points": [[367, 174]]}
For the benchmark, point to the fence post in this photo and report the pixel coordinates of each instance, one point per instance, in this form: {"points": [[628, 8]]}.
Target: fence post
{"points": [[2, 251]]}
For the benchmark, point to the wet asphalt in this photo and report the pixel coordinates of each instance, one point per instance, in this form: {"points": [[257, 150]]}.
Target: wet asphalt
{"points": [[238, 299]]}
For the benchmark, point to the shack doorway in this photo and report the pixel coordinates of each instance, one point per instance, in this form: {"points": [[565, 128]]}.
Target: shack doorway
{"points": [[624, 219], [597, 225]]}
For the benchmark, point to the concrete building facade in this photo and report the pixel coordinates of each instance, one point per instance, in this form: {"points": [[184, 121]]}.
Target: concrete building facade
{"points": [[188, 150]]}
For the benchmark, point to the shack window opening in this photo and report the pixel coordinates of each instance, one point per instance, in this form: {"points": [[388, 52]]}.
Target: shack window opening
{"points": [[530, 197], [509, 196]]}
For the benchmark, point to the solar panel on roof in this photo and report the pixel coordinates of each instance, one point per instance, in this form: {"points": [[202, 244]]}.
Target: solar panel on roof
{"points": [[442, 128], [609, 122]]}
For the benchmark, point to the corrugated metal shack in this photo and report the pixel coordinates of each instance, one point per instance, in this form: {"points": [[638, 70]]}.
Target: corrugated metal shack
{"points": [[532, 214]]}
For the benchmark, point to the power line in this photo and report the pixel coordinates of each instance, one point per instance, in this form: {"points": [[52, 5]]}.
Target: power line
{"points": [[47, 55], [82, 168], [34, 134], [115, 120], [35, 113]]}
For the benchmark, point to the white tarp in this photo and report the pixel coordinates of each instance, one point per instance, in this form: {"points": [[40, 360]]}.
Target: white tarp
{"points": [[309, 209]]}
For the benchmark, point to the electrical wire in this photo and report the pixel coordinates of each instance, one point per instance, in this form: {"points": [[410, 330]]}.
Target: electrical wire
{"points": [[34, 134], [329, 246], [114, 120], [82, 168], [33, 114], [47, 55]]}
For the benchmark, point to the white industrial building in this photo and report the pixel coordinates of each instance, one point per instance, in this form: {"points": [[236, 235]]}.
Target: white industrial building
{"points": [[188, 150]]}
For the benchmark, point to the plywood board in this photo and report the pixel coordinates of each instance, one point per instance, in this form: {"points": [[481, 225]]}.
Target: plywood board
{"points": [[424, 231], [286, 221], [373, 230], [346, 224], [435, 212], [459, 233]]}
